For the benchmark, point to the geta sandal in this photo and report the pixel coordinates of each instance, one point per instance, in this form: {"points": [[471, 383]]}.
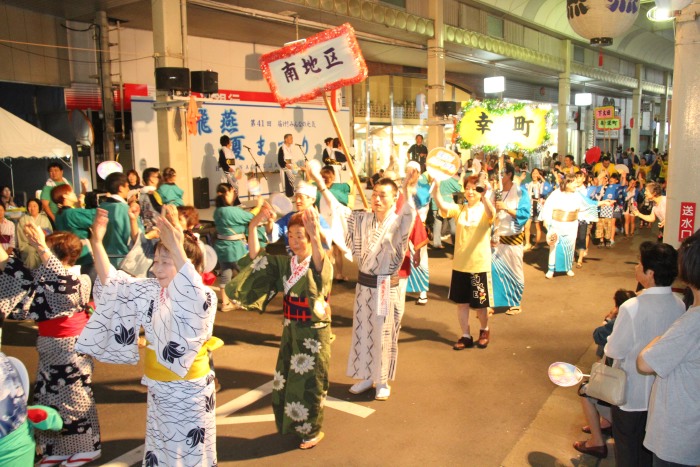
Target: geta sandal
{"points": [[311, 443]]}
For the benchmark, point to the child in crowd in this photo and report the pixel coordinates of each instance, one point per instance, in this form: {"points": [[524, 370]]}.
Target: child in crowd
{"points": [[607, 191]]}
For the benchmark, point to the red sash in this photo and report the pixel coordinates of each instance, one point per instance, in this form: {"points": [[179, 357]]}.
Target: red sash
{"points": [[65, 326]]}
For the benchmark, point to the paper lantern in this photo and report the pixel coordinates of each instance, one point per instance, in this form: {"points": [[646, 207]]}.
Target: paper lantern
{"points": [[601, 20]]}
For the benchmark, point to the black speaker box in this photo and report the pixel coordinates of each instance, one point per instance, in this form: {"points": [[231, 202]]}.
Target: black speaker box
{"points": [[206, 82], [200, 192], [446, 108], [172, 79]]}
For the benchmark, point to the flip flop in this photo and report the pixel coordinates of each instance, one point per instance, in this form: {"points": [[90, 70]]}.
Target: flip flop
{"points": [[514, 310], [579, 265], [311, 443], [49, 461], [82, 458]]}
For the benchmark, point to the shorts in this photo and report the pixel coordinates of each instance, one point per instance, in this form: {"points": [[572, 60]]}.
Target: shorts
{"points": [[474, 289], [536, 208]]}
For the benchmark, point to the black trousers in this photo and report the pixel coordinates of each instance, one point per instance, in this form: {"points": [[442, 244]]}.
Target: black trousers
{"points": [[629, 429]]}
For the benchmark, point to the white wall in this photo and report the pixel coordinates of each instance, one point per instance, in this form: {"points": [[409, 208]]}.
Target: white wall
{"points": [[236, 62]]}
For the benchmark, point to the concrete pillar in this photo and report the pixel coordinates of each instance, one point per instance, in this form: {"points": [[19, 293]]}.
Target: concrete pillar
{"points": [[564, 100], [436, 75], [105, 70], [169, 39], [663, 112], [637, 110], [684, 164]]}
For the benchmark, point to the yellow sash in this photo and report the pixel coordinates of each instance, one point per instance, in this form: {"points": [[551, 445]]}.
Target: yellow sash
{"points": [[200, 366], [564, 216]]}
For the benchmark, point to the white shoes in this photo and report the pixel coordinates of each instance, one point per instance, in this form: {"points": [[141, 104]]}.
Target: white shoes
{"points": [[362, 386], [383, 392], [549, 274], [570, 273]]}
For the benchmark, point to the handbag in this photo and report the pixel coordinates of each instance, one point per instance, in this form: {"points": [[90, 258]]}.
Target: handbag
{"points": [[605, 383]]}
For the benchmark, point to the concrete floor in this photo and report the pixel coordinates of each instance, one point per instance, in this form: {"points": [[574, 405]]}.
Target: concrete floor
{"points": [[475, 407]]}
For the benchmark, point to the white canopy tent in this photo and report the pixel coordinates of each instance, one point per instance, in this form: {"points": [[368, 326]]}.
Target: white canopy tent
{"points": [[21, 139]]}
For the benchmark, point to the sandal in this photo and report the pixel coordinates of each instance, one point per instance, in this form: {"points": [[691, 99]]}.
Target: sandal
{"points": [[514, 310], [82, 458], [50, 461], [601, 452], [579, 265], [606, 431], [311, 443]]}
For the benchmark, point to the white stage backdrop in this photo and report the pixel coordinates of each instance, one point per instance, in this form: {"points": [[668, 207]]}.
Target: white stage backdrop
{"points": [[259, 125]]}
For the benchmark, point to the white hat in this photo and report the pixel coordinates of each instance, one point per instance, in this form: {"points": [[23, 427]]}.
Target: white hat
{"points": [[414, 165], [306, 189]]}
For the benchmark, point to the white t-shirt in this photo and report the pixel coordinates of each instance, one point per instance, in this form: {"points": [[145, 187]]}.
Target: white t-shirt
{"points": [[673, 424]]}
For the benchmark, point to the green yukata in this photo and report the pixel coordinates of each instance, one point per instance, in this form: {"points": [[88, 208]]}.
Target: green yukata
{"points": [[341, 192], [117, 240], [230, 221], [171, 194], [300, 384], [78, 221]]}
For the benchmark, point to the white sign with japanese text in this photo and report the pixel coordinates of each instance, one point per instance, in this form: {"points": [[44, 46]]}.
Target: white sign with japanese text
{"points": [[256, 130], [304, 70]]}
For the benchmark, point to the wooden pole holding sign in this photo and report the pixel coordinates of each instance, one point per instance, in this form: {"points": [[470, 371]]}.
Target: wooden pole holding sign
{"points": [[355, 178], [343, 65]]}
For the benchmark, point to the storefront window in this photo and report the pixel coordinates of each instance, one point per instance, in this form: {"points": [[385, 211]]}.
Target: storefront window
{"points": [[388, 113]]}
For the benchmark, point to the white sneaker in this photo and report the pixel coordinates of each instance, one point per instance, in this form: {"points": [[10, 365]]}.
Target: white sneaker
{"points": [[570, 273], [549, 274], [362, 386], [383, 392]]}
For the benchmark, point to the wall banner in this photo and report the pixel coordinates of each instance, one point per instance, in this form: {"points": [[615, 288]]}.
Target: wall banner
{"points": [[256, 130]]}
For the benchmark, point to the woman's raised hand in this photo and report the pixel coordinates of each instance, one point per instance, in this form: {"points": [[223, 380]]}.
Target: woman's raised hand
{"points": [[171, 234], [99, 225], [311, 222], [35, 235], [265, 214]]}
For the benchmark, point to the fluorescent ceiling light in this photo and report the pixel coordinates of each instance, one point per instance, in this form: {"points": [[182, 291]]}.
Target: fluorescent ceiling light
{"points": [[494, 84], [583, 99], [659, 15]]}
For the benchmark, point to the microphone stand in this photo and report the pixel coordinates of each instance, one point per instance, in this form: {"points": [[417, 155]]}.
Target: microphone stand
{"points": [[257, 166], [306, 161]]}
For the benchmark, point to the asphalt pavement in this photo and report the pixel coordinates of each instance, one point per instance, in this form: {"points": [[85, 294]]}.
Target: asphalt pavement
{"points": [[475, 407]]}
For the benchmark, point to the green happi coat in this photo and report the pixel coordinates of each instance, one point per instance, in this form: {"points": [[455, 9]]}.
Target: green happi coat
{"points": [[300, 383], [78, 221]]}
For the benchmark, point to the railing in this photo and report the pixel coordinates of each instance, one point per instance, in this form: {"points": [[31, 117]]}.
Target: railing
{"points": [[407, 110]]}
